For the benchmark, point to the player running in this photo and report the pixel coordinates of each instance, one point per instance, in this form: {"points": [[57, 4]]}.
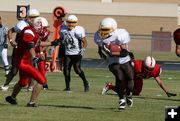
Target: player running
{"points": [[114, 42], [28, 41], [20, 25]]}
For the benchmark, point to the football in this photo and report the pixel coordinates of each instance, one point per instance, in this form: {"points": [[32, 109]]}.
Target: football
{"points": [[114, 49]]}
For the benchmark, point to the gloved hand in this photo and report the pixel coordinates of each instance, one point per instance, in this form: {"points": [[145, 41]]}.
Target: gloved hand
{"points": [[5, 45], [56, 42], [35, 61], [82, 51], [170, 94]]}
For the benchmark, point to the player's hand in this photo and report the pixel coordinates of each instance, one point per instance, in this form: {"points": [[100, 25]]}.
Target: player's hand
{"points": [[42, 56], [56, 42], [170, 94], [82, 51], [35, 61], [13, 44]]}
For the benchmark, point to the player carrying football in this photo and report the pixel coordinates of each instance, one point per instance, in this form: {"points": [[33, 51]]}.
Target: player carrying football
{"points": [[108, 38]]}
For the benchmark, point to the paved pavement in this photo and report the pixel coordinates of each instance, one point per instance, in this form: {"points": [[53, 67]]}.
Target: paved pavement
{"points": [[99, 63]]}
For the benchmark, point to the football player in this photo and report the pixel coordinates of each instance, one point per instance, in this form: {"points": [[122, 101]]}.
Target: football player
{"points": [[143, 69], [74, 39], [28, 40], [4, 46], [20, 25], [176, 36], [41, 51], [119, 59]]}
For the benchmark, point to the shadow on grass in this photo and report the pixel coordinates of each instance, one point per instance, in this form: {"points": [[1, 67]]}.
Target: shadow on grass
{"points": [[80, 107], [68, 106], [156, 98]]}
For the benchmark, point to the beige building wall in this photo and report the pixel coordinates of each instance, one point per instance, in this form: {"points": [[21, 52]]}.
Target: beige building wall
{"points": [[138, 18]]}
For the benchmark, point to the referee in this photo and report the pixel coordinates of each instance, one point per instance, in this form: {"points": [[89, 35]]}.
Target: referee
{"points": [[4, 46]]}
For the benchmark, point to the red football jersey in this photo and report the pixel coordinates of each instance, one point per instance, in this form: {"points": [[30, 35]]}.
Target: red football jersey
{"points": [[28, 35], [141, 71]]}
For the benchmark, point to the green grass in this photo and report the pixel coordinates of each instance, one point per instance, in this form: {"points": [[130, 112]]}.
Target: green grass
{"points": [[57, 105]]}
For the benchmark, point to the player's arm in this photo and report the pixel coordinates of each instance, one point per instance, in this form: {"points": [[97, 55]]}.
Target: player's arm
{"points": [[101, 53], [9, 36], [84, 42], [162, 85]]}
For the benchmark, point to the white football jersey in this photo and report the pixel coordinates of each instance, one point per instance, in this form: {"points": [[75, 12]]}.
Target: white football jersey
{"points": [[20, 25], [72, 39], [120, 36]]}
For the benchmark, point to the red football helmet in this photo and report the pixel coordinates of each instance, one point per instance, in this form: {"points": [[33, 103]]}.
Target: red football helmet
{"points": [[176, 36]]}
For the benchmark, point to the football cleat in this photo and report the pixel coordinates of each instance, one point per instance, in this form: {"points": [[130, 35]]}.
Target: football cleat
{"points": [[4, 88], [11, 100], [30, 89], [129, 101], [122, 104], [32, 104], [45, 87], [106, 88], [68, 90]]}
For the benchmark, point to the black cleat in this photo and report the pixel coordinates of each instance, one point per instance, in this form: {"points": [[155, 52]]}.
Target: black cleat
{"points": [[45, 87], [11, 100], [86, 89]]}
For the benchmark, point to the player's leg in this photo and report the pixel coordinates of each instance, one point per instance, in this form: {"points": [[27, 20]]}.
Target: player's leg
{"points": [[33, 73], [12, 73], [66, 71], [138, 84], [77, 68], [108, 86], [17, 88], [42, 69], [120, 83], [5, 60], [129, 72]]}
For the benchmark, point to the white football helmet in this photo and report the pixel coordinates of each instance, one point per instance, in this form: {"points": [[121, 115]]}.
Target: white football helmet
{"points": [[72, 21], [20, 25], [44, 22], [106, 27], [32, 13], [37, 24], [149, 62]]}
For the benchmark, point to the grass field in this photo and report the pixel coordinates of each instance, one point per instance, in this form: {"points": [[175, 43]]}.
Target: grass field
{"points": [[57, 105]]}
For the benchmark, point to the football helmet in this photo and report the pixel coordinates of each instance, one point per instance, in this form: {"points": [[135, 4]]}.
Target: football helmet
{"points": [[44, 22], [106, 27], [32, 13], [149, 62], [37, 24], [72, 21], [20, 26], [176, 36]]}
